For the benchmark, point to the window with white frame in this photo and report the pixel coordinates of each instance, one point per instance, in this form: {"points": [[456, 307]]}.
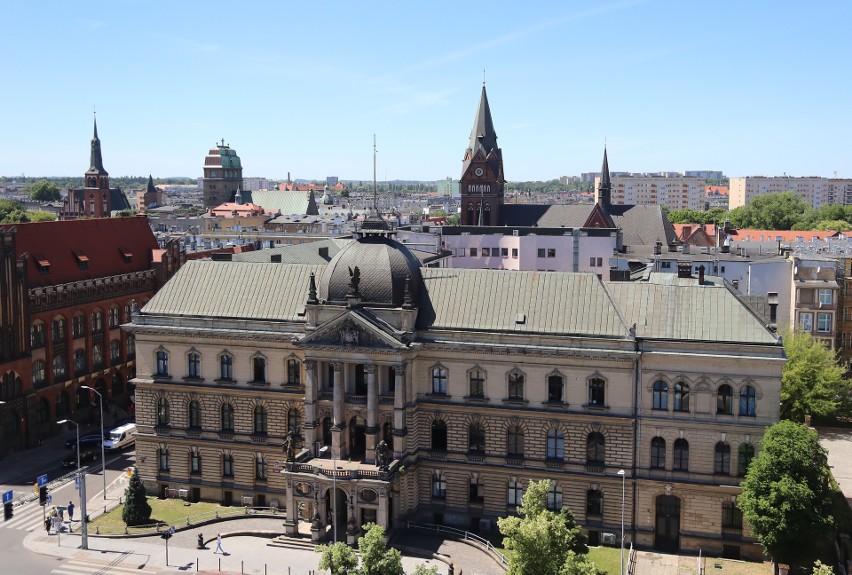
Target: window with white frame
{"points": [[806, 321], [439, 485], [162, 362], [193, 361], [554, 497], [823, 322], [515, 493], [439, 380], [826, 297], [555, 445], [226, 366]]}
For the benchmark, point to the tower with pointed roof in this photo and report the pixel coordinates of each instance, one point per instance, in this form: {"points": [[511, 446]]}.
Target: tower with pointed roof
{"points": [[482, 182], [603, 195], [223, 175]]}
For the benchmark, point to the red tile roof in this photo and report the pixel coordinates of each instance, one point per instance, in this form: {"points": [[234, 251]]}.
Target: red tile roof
{"points": [[100, 245], [785, 235]]}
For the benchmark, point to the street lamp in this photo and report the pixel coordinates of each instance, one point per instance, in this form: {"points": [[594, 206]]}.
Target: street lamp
{"points": [[103, 459], [81, 479], [621, 543], [334, 493]]}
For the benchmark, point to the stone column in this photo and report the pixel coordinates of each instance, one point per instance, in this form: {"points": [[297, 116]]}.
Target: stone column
{"points": [[399, 430], [338, 424], [311, 387], [291, 524], [382, 513], [372, 413]]}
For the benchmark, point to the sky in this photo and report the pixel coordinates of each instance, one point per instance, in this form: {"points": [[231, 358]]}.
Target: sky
{"points": [[749, 88]]}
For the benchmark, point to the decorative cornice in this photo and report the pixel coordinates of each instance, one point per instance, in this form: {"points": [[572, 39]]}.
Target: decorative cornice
{"points": [[89, 291]]}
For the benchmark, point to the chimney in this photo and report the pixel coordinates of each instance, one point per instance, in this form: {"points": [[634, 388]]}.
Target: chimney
{"points": [[323, 252], [275, 258], [684, 270], [701, 275], [658, 248]]}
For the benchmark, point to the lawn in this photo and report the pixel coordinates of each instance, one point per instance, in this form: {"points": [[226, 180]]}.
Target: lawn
{"points": [[607, 558], [168, 511]]}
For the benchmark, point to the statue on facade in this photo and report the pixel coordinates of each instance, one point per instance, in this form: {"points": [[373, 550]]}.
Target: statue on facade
{"points": [[290, 446], [383, 456], [354, 282]]}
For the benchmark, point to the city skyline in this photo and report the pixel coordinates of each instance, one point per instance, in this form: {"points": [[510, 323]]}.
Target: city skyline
{"points": [[750, 89]]}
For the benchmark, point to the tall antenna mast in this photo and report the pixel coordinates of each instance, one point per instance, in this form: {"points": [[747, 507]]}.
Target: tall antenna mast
{"points": [[375, 186]]}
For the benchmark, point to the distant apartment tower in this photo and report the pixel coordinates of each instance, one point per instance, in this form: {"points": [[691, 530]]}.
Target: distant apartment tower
{"points": [[331, 181], [816, 191], [674, 192], [255, 184], [705, 174], [223, 175]]}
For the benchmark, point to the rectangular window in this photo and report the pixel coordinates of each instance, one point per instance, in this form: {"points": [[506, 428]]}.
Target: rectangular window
{"points": [[504, 252], [825, 297], [514, 252], [164, 459], [439, 380], [592, 262], [806, 322], [824, 322], [260, 468], [294, 374], [486, 252], [542, 252], [194, 365], [477, 491], [162, 362], [439, 486], [515, 494], [732, 517], [551, 252], [461, 252], [600, 262], [195, 462], [473, 252], [667, 265], [227, 466], [259, 369]]}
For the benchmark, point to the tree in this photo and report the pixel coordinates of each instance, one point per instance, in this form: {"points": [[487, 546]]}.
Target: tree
{"points": [[832, 226], [376, 558], [338, 558], [137, 510], [770, 212], [821, 568], [421, 569], [541, 541], [786, 494], [43, 191], [811, 381]]}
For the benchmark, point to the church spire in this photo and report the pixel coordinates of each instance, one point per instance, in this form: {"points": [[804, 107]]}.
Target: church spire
{"points": [[96, 163], [151, 189], [483, 134], [605, 186]]}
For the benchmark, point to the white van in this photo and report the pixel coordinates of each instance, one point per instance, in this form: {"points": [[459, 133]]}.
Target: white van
{"points": [[121, 437]]}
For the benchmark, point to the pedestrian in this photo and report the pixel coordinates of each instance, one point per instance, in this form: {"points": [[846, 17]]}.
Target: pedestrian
{"points": [[219, 544], [47, 523], [70, 511], [61, 511]]}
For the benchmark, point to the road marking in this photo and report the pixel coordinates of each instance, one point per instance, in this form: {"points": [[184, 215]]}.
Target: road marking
{"points": [[84, 566], [27, 517]]}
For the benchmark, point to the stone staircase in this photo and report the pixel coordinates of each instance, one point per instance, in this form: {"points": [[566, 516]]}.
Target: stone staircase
{"points": [[297, 542]]}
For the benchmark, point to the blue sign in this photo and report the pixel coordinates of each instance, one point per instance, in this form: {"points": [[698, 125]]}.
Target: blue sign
{"points": [[77, 482], [42, 480], [7, 496]]}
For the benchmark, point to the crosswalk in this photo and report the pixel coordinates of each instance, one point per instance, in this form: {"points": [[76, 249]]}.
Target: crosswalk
{"points": [[27, 518], [88, 567]]}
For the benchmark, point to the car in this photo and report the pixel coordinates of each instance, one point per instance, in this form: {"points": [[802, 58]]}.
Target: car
{"points": [[88, 456], [87, 441], [121, 437]]}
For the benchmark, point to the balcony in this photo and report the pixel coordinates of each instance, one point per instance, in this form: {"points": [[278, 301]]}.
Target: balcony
{"points": [[344, 469]]}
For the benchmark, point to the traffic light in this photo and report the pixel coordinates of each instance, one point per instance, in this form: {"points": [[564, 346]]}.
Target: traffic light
{"points": [[42, 495], [7, 511]]}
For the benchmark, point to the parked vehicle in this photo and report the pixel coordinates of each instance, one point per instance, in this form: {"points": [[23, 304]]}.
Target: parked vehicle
{"points": [[88, 456], [87, 441], [121, 437]]}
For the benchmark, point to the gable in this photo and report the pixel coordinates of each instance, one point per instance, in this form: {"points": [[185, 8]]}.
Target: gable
{"points": [[353, 328]]}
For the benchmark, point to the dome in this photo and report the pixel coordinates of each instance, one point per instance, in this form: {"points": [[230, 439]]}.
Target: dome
{"points": [[384, 265]]}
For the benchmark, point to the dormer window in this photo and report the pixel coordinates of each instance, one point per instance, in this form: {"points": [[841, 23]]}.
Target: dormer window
{"points": [[43, 265], [82, 260], [126, 255]]}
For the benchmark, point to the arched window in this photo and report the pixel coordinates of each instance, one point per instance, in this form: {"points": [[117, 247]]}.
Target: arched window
{"points": [[681, 455], [745, 455], [113, 317], [260, 419], [597, 392], [98, 356], [516, 385], [226, 366], [439, 435], [195, 461], [658, 453], [117, 385], [725, 400], [227, 417], [97, 321], [79, 362], [439, 380], [661, 395], [62, 404], [78, 326], [58, 330], [554, 497], [595, 449], [131, 346], [555, 445], [293, 421], [127, 316], [39, 373], [162, 362], [194, 414], [37, 334], [722, 463], [594, 502], [115, 351], [42, 410], [747, 401], [554, 389], [515, 441], [162, 411], [476, 438], [193, 364], [476, 383], [83, 397], [681, 396]]}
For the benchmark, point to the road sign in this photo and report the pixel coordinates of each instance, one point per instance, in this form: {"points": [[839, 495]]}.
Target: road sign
{"points": [[42, 480], [49, 499], [7, 496]]}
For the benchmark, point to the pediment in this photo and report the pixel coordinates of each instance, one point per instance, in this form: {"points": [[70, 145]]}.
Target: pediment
{"points": [[353, 329]]}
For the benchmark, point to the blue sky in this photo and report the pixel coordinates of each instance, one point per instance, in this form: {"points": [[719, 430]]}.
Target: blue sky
{"points": [[751, 88]]}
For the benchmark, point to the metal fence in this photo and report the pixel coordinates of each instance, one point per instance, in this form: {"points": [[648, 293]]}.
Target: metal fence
{"points": [[460, 534], [631, 560], [188, 521]]}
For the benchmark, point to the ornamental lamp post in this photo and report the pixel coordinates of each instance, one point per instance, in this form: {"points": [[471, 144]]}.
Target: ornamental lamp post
{"points": [[81, 479]]}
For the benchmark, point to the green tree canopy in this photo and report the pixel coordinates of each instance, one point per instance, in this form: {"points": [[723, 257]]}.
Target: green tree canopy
{"points": [[832, 225], [137, 510], [771, 212], [376, 558], [338, 558], [811, 381], [43, 191], [786, 494], [541, 541]]}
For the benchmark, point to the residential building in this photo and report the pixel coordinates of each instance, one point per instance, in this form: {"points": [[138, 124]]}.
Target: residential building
{"points": [[673, 191], [705, 174], [817, 297], [223, 176], [813, 190], [150, 197]]}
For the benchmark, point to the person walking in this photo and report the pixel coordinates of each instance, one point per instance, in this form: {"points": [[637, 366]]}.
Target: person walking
{"points": [[70, 511], [219, 544]]}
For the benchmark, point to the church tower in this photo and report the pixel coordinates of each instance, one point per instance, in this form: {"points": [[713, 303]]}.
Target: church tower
{"points": [[482, 172], [96, 191], [223, 176]]}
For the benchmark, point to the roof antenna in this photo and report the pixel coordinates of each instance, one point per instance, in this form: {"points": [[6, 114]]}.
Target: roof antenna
{"points": [[483, 77], [375, 187]]}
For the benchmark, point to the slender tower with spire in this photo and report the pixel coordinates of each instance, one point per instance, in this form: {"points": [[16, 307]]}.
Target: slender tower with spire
{"points": [[482, 180], [96, 176], [603, 195]]}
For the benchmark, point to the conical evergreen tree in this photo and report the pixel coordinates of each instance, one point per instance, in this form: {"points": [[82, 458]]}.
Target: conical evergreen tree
{"points": [[136, 510]]}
